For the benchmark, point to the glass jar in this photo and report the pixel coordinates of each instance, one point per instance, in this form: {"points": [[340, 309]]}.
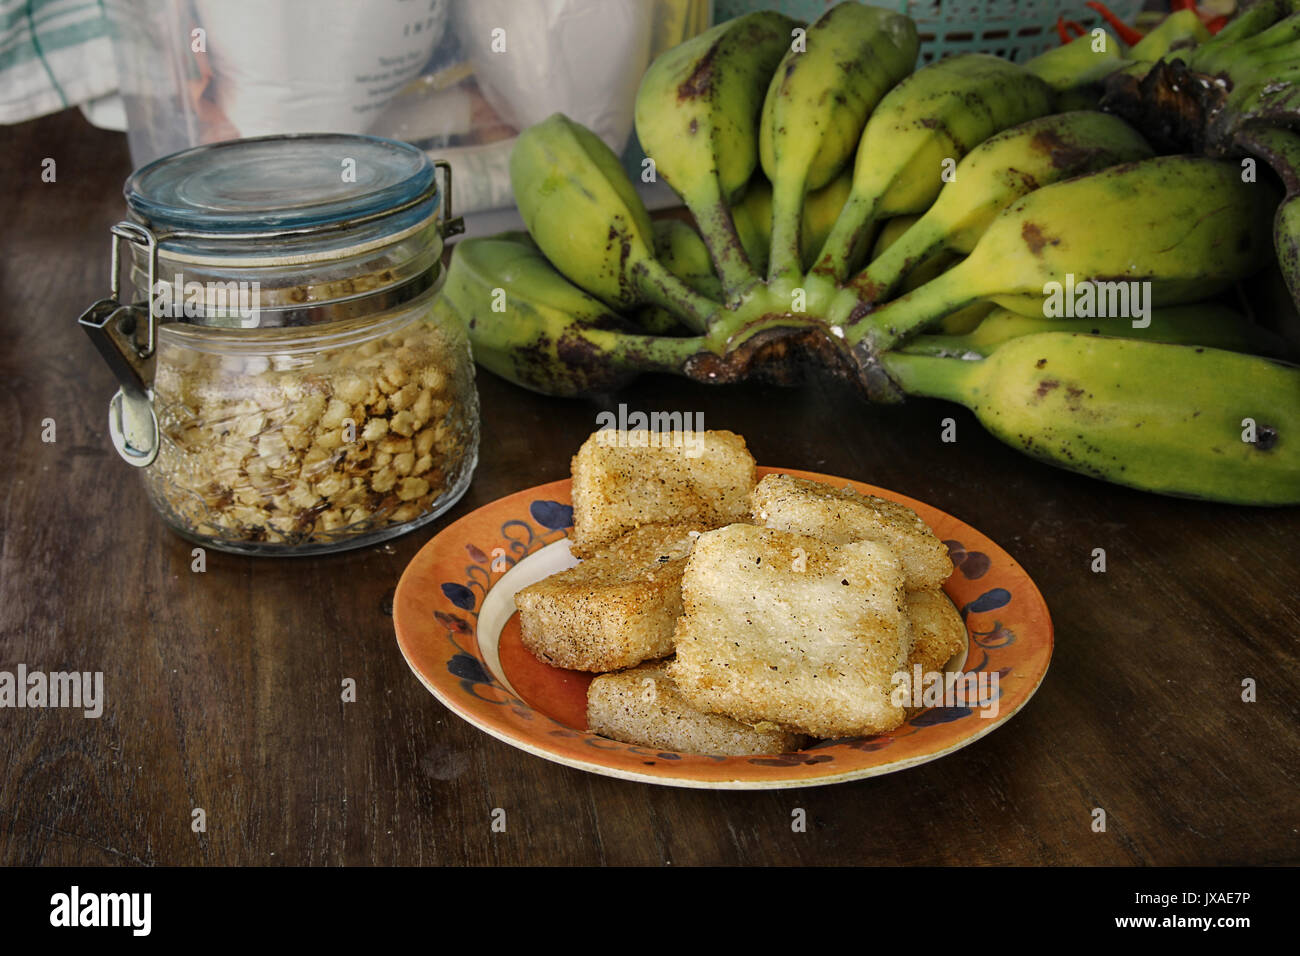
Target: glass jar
{"points": [[290, 382]]}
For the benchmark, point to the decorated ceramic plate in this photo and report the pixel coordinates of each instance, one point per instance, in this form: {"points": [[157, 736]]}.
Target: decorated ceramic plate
{"points": [[457, 628]]}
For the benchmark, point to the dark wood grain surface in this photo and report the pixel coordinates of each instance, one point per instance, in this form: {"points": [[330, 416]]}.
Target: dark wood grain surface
{"points": [[222, 688]]}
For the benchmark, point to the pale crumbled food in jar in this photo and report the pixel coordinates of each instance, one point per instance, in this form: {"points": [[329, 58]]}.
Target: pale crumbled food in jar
{"points": [[642, 706], [785, 628], [615, 609], [842, 515], [305, 448], [623, 479]]}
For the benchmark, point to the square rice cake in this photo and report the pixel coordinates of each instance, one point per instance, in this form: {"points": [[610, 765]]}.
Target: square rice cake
{"points": [[624, 479], [841, 515], [616, 609], [642, 706], [784, 628]]}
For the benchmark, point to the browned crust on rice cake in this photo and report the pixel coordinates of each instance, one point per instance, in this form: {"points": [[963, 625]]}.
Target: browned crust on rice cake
{"points": [[615, 609], [643, 706], [619, 485]]}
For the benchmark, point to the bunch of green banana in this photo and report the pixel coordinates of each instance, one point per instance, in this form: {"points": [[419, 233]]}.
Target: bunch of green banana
{"points": [[1186, 225], [961, 199], [1177, 419], [697, 116], [999, 171], [927, 122], [815, 109]]}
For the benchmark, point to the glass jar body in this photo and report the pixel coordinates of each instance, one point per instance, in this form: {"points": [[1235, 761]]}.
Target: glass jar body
{"points": [[311, 439]]}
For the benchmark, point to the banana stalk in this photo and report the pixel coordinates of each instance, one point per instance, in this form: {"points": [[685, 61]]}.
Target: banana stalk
{"points": [[1175, 419]]}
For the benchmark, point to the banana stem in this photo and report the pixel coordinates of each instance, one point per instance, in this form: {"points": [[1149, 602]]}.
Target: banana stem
{"points": [[649, 353], [656, 284], [784, 260], [905, 316], [882, 276], [848, 238], [725, 248], [929, 377]]}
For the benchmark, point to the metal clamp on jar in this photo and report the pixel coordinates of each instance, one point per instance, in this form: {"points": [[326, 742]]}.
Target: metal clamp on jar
{"points": [[289, 380]]}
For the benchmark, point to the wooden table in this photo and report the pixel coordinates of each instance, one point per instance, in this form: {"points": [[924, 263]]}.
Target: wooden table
{"points": [[223, 687]]}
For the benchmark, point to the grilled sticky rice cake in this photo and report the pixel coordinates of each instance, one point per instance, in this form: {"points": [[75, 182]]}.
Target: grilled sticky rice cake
{"points": [[625, 479], [841, 515], [616, 609], [783, 628], [643, 706]]}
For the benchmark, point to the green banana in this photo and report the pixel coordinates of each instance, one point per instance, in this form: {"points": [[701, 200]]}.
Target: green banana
{"points": [[1206, 324], [818, 101], [1176, 33], [1188, 225], [697, 114], [964, 320], [938, 113], [999, 171], [530, 325], [586, 216], [1265, 25], [1079, 64], [1164, 418]]}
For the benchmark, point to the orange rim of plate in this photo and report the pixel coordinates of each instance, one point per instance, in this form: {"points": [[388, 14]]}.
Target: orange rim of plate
{"points": [[435, 612]]}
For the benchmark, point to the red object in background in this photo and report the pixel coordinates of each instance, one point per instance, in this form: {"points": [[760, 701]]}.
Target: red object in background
{"points": [[1213, 22], [1063, 26], [1125, 32]]}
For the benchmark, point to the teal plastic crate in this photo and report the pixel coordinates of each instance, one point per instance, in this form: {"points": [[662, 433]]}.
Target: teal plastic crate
{"points": [[1015, 29]]}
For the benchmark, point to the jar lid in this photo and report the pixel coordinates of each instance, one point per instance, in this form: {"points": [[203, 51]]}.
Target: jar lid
{"points": [[273, 185]]}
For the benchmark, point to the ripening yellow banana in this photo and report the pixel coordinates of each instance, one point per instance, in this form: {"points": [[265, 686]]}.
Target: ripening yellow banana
{"points": [[821, 94], [922, 126], [697, 114], [1161, 231]]}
